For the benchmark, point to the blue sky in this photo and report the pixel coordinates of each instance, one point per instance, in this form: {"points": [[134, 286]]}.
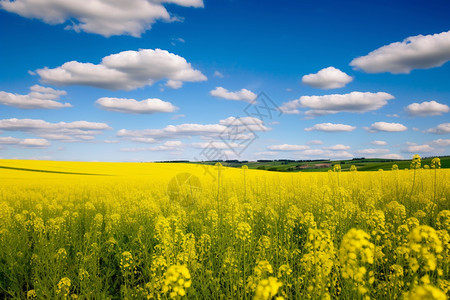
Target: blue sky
{"points": [[149, 80]]}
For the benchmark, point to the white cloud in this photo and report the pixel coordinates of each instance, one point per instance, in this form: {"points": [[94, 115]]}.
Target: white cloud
{"points": [[68, 132], [392, 156], [325, 153], [35, 143], [133, 149], [265, 153], [235, 128], [126, 70], [249, 123], [354, 102], [176, 117], [337, 147], [379, 143], [174, 84], [218, 74], [330, 127], [415, 52], [386, 127], [177, 40], [39, 97], [241, 120], [441, 142], [104, 17], [328, 78], [8, 140], [315, 142], [40, 143], [418, 149], [186, 130], [217, 145], [425, 109], [287, 147], [373, 151], [392, 115], [143, 140], [440, 129], [148, 106], [167, 146], [314, 152], [242, 95]]}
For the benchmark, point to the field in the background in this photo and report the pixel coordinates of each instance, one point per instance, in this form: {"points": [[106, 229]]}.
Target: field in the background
{"points": [[161, 231], [362, 164]]}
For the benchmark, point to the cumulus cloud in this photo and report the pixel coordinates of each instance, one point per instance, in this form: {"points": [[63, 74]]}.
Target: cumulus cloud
{"points": [[62, 131], [174, 84], [242, 95], [392, 115], [425, 109], [126, 70], [218, 74], [379, 143], [392, 156], [440, 129], [138, 149], [39, 97], [40, 143], [337, 147], [315, 142], [32, 143], [265, 153], [167, 146], [246, 123], [418, 149], [354, 102], [330, 127], [217, 145], [176, 117], [415, 52], [234, 128], [8, 140], [373, 151], [187, 130], [287, 147], [324, 153], [328, 78], [148, 106], [386, 127], [143, 140], [441, 142], [104, 17]]}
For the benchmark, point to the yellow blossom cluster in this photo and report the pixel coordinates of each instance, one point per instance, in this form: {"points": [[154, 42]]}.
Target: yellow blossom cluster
{"points": [[177, 281]]}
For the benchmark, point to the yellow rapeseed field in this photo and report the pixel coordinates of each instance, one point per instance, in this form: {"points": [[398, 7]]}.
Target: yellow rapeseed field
{"points": [[76, 230]]}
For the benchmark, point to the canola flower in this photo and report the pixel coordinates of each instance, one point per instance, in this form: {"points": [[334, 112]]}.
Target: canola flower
{"points": [[119, 234], [31, 294], [426, 292], [424, 245], [416, 162], [63, 287], [267, 289], [177, 281], [436, 163], [356, 255]]}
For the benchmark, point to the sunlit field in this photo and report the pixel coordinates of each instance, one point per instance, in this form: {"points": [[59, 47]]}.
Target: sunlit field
{"points": [[169, 231]]}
